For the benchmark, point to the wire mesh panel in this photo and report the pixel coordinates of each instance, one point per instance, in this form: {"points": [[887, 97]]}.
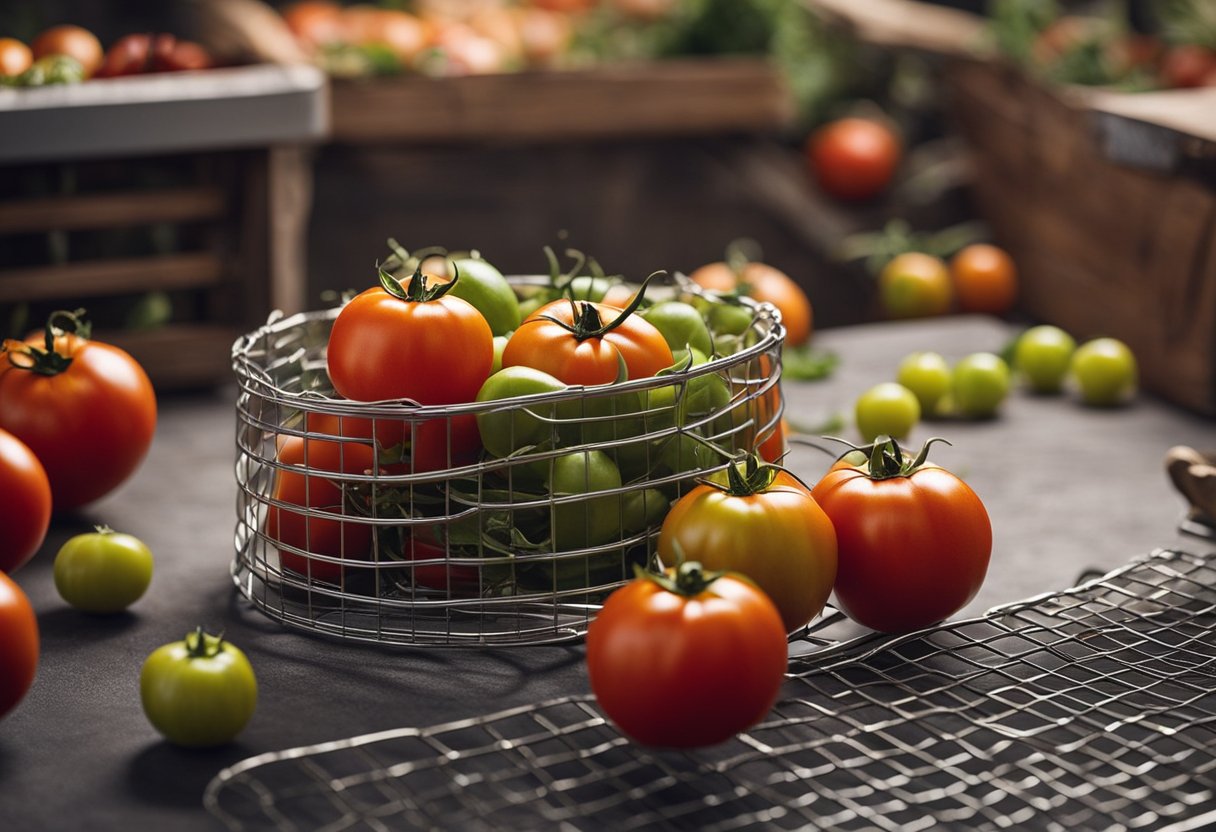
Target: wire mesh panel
{"points": [[1089, 709], [400, 523]]}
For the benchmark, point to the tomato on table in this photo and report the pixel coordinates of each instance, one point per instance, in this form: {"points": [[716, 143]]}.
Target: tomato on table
{"points": [[1105, 372], [913, 285], [25, 513], [198, 692], [410, 341], [985, 279], [103, 571], [887, 408], [1041, 355], [19, 645], [85, 408], [914, 539], [688, 659], [761, 522]]}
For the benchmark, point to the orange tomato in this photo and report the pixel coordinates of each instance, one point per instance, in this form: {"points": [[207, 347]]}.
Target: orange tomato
{"points": [[73, 41], [985, 279], [315, 22], [765, 283], [404, 34], [915, 285], [15, 57]]}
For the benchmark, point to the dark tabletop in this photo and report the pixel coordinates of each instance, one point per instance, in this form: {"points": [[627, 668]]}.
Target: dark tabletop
{"points": [[1068, 489]]}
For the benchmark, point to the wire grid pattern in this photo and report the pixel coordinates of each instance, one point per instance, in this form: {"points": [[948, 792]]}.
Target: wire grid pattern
{"points": [[1088, 709], [419, 539]]}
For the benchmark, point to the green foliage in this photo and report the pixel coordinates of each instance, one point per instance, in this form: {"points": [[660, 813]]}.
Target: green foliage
{"points": [[1187, 22], [1015, 25]]}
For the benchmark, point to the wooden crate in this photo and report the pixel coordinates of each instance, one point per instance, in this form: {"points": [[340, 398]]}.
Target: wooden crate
{"points": [[191, 192]]}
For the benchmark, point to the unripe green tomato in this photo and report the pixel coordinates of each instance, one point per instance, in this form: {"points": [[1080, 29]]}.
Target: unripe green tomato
{"points": [[1105, 371], [500, 344], [729, 318], [1042, 355], [483, 285], [928, 376], [681, 326], [980, 385], [103, 571], [888, 408]]}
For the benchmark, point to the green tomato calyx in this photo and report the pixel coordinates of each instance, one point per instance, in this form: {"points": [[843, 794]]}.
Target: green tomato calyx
{"points": [[688, 581], [884, 459], [47, 362], [417, 291], [203, 646], [756, 476]]}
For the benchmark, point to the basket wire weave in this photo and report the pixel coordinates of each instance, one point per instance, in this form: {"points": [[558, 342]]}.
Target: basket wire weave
{"points": [[440, 546], [1088, 709]]}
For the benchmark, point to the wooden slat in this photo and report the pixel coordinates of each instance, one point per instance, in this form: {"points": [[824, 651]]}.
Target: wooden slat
{"points": [[113, 210], [688, 97], [180, 355], [110, 277]]}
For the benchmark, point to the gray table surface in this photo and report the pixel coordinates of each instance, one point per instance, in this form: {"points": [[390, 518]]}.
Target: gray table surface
{"points": [[1068, 488]]}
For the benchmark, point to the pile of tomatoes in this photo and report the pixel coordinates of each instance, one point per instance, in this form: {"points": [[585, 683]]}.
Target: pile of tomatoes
{"points": [[68, 54]]}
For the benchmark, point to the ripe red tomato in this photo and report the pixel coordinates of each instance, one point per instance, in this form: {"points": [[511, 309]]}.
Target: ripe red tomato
{"points": [[85, 408], [914, 540], [25, 513], [19, 645], [985, 279], [589, 349], [764, 283], [853, 159], [764, 524], [430, 445], [72, 41], [129, 55], [686, 661], [1189, 66], [317, 535], [410, 341]]}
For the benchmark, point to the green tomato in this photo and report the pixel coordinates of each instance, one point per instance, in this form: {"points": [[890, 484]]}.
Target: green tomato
{"points": [[980, 385], [1105, 371], [500, 344], [484, 287], [589, 288], [507, 430], [680, 325], [530, 305], [888, 408], [587, 522], [198, 692], [928, 376], [728, 318], [1042, 355], [103, 571]]}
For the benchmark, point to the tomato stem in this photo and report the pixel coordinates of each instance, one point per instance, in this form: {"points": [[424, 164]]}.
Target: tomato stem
{"points": [[202, 646], [689, 578], [885, 457], [587, 321], [48, 362], [755, 478], [417, 291]]}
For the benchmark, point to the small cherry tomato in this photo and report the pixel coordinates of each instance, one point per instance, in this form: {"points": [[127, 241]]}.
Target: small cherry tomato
{"points": [[1042, 355], [853, 159], [927, 375], [914, 285], [914, 540], [686, 660], [25, 513], [103, 571], [1105, 372], [979, 384], [18, 646], [985, 279], [888, 409], [198, 692], [15, 57]]}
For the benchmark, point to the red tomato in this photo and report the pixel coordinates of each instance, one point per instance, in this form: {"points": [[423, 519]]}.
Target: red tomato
{"points": [[25, 512], [985, 279], [15, 57], [72, 41], [764, 283], [687, 662], [764, 525], [90, 423], [432, 445], [172, 55], [854, 159], [1188, 66], [318, 535], [410, 341], [914, 541], [129, 55], [587, 350], [18, 646]]}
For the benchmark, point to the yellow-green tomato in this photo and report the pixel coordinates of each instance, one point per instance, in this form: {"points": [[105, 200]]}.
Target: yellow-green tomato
{"points": [[198, 692], [1105, 372], [927, 375], [887, 409], [1042, 355], [681, 326], [103, 571], [586, 520], [980, 385], [500, 344]]}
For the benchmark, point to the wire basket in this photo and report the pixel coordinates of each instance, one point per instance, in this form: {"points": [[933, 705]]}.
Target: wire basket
{"points": [[387, 522], [1089, 709]]}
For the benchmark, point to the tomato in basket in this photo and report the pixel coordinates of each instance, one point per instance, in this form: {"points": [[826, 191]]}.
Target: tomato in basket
{"points": [[914, 539], [686, 659]]}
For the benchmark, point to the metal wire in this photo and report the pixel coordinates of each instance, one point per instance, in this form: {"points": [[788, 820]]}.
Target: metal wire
{"points": [[1089, 709], [384, 522]]}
